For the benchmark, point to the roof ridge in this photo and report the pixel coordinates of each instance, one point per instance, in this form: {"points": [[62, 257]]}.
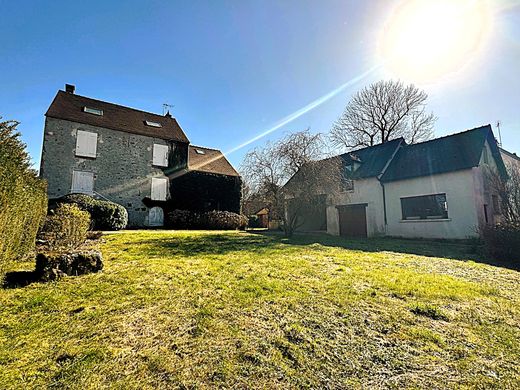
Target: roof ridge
{"points": [[372, 146], [117, 105], [449, 135]]}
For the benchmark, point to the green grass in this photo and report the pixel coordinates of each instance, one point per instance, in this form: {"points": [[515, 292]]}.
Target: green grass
{"points": [[232, 309]]}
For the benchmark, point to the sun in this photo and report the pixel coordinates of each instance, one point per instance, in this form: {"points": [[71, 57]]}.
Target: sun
{"points": [[425, 40]]}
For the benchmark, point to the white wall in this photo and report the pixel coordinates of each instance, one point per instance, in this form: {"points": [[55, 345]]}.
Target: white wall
{"points": [[365, 191], [459, 187]]}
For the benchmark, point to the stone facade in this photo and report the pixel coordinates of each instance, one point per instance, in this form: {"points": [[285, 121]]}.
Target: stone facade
{"points": [[122, 168]]}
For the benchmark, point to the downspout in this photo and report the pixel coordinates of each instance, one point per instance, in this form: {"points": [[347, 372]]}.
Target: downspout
{"points": [[382, 184], [384, 202]]}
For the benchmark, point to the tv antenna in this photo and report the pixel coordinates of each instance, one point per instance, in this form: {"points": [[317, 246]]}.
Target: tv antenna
{"points": [[166, 107], [499, 134]]}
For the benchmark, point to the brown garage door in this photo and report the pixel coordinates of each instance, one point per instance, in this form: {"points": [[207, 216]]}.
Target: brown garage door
{"points": [[353, 220]]}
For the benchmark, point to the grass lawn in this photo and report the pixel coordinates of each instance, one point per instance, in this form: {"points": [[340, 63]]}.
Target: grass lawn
{"points": [[233, 309]]}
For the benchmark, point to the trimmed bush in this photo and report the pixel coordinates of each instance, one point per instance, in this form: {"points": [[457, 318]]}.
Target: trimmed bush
{"points": [[502, 241], [182, 219], [105, 215], [66, 226], [23, 197], [217, 220]]}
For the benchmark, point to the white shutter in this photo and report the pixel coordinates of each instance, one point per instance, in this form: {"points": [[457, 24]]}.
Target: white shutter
{"points": [[159, 188], [82, 182], [86, 144], [160, 155]]}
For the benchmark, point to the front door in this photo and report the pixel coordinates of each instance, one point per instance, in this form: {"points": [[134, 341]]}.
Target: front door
{"points": [[156, 216], [353, 220]]}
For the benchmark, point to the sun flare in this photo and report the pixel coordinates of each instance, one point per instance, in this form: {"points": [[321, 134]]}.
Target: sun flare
{"points": [[425, 40]]}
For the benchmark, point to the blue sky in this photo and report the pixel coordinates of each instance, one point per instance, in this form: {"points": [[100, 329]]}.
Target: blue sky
{"points": [[234, 69]]}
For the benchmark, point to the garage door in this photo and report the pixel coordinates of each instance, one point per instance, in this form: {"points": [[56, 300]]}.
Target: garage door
{"points": [[353, 220]]}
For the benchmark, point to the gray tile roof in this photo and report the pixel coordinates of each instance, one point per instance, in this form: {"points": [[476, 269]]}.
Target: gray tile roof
{"points": [[441, 155]]}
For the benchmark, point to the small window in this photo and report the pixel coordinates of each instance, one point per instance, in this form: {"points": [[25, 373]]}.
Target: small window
{"points": [[153, 124], [348, 185], [159, 188], [160, 155], [82, 182], [86, 144], [200, 151], [425, 207], [95, 111], [496, 204]]}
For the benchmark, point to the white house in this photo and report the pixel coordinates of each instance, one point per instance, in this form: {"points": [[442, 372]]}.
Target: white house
{"points": [[433, 189]]}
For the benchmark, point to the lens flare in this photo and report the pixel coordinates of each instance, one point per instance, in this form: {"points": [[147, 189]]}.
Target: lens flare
{"points": [[425, 40]]}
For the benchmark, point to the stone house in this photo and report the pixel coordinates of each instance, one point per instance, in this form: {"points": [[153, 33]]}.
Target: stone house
{"points": [[141, 160], [433, 189]]}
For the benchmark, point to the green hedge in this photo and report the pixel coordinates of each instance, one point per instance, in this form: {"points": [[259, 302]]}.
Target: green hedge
{"points": [[105, 215], [23, 197]]}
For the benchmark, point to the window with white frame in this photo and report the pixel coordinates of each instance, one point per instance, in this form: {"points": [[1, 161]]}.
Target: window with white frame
{"points": [[152, 124], [82, 182], [91, 110], [86, 144], [425, 207], [160, 155], [159, 188]]}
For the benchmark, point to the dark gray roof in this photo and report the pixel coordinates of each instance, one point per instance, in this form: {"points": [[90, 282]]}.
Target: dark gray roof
{"points": [[70, 107], [446, 154], [372, 159]]}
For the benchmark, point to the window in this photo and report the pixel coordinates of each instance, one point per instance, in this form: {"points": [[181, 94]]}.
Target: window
{"points": [[153, 124], [496, 204], [86, 144], [160, 155], [200, 151], [95, 111], [159, 188], [425, 207], [82, 182], [348, 185]]}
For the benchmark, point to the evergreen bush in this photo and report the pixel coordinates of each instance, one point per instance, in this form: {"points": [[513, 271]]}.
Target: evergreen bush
{"points": [[105, 215], [23, 197]]}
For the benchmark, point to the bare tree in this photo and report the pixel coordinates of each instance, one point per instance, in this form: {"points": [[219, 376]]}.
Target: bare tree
{"points": [[293, 159], [508, 190], [381, 112]]}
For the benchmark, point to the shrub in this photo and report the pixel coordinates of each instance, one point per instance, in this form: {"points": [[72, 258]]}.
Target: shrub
{"points": [[502, 242], [225, 220], [181, 219], [23, 197], [105, 215], [66, 226]]}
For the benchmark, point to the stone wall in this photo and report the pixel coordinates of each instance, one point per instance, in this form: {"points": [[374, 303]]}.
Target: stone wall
{"points": [[122, 168]]}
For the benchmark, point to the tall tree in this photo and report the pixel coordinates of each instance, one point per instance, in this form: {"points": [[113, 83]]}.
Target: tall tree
{"points": [[381, 112]]}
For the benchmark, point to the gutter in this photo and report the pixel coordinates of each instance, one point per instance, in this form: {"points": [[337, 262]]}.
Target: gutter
{"points": [[381, 175]]}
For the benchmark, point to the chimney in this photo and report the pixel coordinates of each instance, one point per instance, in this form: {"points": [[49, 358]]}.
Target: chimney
{"points": [[168, 115], [69, 88]]}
